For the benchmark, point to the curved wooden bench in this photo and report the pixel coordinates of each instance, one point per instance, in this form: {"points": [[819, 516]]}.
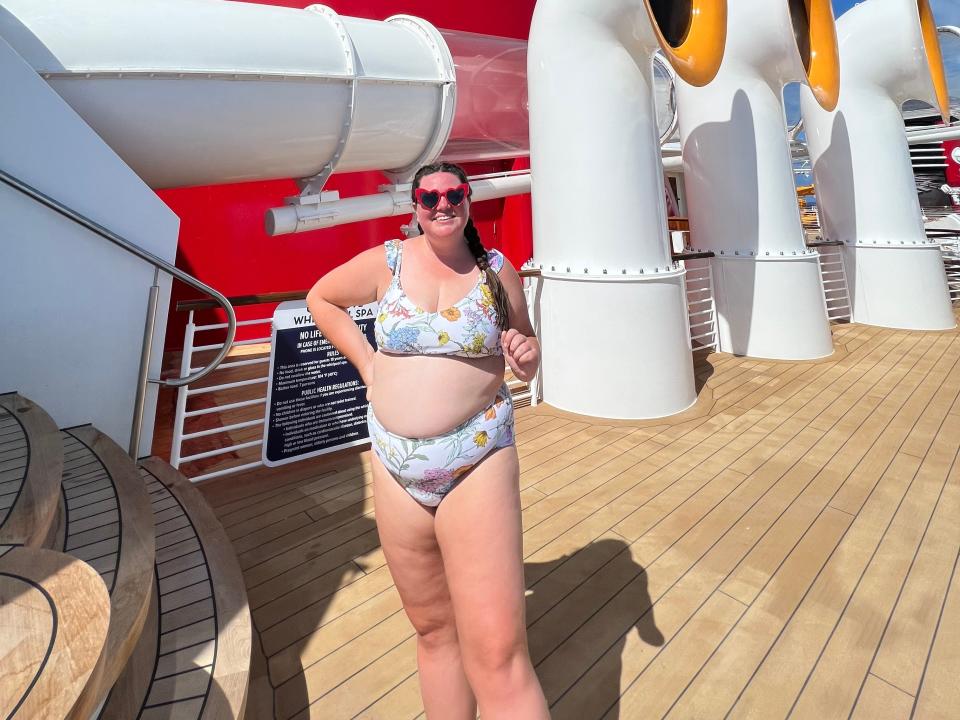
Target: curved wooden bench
{"points": [[50, 643], [106, 522], [193, 658], [31, 463]]}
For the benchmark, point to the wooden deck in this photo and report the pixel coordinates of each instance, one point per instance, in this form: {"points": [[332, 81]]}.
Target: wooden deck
{"points": [[786, 548]]}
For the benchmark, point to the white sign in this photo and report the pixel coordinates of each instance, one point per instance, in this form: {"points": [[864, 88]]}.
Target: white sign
{"points": [[316, 401]]}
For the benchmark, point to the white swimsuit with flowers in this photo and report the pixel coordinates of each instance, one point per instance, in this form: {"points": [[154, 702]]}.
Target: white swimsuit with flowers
{"points": [[468, 328], [429, 468]]}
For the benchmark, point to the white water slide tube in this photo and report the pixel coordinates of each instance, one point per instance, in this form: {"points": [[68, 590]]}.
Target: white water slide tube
{"points": [[614, 313], [199, 92], [889, 53], [192, 92], [739, 178]]}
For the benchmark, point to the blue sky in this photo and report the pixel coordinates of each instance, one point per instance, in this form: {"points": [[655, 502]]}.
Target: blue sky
{"points": [[945, 12]]}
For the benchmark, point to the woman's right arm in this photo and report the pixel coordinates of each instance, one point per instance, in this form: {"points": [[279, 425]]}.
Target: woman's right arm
{"points": [[356, 282]]}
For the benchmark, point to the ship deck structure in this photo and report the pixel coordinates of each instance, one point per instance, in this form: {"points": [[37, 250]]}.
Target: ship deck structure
{"points": [[740, 460]]}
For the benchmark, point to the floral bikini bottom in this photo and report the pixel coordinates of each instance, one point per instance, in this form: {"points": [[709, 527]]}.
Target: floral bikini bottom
{"points": [[429, 468]]}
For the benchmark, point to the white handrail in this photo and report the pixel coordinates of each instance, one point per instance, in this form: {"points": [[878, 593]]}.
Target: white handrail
{"points": [[158, 263]]}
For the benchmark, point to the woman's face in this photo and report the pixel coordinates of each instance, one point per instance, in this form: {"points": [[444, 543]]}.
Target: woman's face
{"points": [[445, 220]]}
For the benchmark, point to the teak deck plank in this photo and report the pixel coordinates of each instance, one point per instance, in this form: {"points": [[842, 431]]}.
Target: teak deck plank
{"points": [[280, 506], [857, 636], [665, 679], [939, 695], [787, 547], [706, 533], [781, 678], [882, 701], [903, 651], [841, 447], [735, 658], [402, 702], [291, 648]]}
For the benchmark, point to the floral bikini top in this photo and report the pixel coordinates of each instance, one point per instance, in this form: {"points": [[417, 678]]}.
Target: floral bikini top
{"points": [[468, 328]]}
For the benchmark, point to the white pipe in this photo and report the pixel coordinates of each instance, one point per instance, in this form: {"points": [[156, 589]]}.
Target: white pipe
{"points": [[866, 190], [938, 134], [614, 307], [739, 179], [674, 162], [316, 215], [949, 29]]}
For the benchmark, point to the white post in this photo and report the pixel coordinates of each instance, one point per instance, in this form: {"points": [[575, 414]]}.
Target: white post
{"points": [[613, 301], [861, 163], [740, 184], [179, 417]]}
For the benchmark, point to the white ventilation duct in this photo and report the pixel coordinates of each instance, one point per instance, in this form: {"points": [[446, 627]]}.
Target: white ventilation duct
{"points": [[739, 178], [614, 312], [866, 194]]}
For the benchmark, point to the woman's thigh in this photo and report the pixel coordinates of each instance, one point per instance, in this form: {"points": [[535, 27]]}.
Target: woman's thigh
{"points": [[409, 543], [479, 530]]}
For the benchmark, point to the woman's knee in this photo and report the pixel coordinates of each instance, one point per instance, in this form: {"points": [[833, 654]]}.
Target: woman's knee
{"points": [[495, 654], [435, 632]]}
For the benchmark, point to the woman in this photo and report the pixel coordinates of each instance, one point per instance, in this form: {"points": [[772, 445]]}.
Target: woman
{"points": [[445, 467]]}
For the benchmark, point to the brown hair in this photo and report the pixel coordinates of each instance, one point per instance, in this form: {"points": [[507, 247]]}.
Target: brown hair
{"points": [[472, 236]]}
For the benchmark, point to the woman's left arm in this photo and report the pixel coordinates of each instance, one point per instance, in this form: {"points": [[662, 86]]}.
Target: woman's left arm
{"points": [[521, 349]]}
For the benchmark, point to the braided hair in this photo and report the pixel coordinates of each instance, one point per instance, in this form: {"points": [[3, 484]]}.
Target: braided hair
{"points": [[472, 237]]}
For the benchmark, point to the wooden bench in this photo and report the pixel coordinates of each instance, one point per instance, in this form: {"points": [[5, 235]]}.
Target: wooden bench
{"points": [[49, 643], [138, 556], [105, 520], [31, 463], [193, 658]]}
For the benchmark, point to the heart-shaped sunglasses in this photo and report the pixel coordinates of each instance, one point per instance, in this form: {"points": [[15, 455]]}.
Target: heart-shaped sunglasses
{"points": [[431, 198]]}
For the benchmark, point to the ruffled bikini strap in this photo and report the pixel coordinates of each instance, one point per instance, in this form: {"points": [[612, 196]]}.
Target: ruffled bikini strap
{"points": [[495, 259], [394, 251]]}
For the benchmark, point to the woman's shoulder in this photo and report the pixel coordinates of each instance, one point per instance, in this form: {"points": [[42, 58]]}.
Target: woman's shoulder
{"points": [[377, 260]]}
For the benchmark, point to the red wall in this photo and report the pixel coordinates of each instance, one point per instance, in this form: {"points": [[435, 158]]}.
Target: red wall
{"points": [[953, 168], [222, 241]]}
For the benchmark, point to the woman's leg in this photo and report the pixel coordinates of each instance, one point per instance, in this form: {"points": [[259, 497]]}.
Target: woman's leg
{"points": [[479, 532], [407, 536]]}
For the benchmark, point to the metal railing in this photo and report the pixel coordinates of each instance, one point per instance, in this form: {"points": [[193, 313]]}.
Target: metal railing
{"points": [[151, 319], [950, 251], [219, 408], [230, 396], [951, 263]]}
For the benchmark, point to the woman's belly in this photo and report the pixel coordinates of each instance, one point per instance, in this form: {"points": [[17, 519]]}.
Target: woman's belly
{"points": [[420, 396]]}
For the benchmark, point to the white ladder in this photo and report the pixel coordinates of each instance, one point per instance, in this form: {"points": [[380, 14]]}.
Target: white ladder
{"points": [[836, 292], [701, 308]]}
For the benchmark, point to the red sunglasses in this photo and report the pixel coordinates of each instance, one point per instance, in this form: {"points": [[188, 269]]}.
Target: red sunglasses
{"points": [[431, 198]]}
